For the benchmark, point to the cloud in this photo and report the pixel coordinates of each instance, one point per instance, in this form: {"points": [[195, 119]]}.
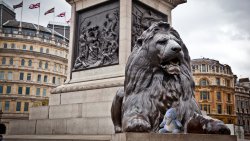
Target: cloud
{"points": [[218, 30]]}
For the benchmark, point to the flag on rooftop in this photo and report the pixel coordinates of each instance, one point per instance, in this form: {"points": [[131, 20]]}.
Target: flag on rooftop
{"points": [[68, 21], [33, 6], [61, 14], [52, 10], [18, 5]]}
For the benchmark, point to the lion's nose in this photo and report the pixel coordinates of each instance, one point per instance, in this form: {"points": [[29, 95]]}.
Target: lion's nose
{"points": [[176, 48]]}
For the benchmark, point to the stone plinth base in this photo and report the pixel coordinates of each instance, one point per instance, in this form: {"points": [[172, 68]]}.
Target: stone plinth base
{"points": [[123, 137]]}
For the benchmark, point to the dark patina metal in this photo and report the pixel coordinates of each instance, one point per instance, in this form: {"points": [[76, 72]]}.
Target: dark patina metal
{"points": [[158, 77], [97, 40]]}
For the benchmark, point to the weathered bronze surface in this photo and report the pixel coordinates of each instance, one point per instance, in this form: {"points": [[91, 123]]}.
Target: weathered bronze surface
{"points": [[97, 40], [158, 77], [142, 17]]}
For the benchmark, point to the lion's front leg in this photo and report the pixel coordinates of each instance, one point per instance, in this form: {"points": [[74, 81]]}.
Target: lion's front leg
{"points": [[137, 112]]}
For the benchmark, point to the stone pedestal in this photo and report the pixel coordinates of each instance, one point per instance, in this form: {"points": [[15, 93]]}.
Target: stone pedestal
{"points": [[102, 35], [123, 137]]}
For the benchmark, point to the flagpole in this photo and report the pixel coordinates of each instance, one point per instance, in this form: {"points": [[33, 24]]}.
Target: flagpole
{"points": [[21, 16], [64, 26], [39, 15], [54, 20]]}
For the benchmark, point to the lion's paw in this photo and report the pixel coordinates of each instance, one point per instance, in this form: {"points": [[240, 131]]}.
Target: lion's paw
{"points": [[217, 127], [137, 125]]}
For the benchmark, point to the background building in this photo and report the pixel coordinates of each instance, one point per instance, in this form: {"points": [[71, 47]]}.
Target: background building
{"points": [[62, 28], [242, 96], [32, 62], [214, 89]]}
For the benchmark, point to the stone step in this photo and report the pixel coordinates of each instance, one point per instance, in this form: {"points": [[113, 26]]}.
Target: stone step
{"points": [[123, 137], [81, 126], [57, 138]]}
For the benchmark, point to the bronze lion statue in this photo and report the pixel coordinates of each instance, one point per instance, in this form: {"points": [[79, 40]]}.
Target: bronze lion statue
{"points": [[158, 77]]}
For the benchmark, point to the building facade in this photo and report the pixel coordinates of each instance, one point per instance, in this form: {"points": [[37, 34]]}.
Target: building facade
{"points": [[32, 62], [242, 96], [214, 89]]}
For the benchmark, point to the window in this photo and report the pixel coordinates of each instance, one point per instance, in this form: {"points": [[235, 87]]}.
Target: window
{"points": [[41, 50], [37, 91], [39, 78], [55, 67], [8, 90], [9, 75], [47, 50], [228, 98], [218, 95], [229, 109], [11, 61], [1, 75], [204, 95], [45, 78], [24, 47], [30, 63], [54, 80], [205, 107], [40, 64], [28, 76], [20, 90], [27, 91], [22, 62], [3, 61], [46, 65], [21, 76], [13, 46], [5, 45], [1, 89], [26, 106], [31, 48], [18, 106], [204, 82], [59, 68], [7, 106], [44, 92], [218, 81], [219, 109], [227, 83], [58, 81], [1, 107], [203, 68]]}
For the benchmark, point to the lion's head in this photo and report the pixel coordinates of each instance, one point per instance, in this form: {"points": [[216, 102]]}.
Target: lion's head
{"points": [[160, 56]]}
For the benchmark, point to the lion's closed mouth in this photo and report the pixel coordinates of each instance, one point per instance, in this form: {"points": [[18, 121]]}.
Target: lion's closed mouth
{"points": [[171, 66]]}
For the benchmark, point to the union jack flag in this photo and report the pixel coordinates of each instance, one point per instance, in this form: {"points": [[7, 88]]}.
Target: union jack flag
{"points": [[61, 14], [52, 10], [33, 6]]}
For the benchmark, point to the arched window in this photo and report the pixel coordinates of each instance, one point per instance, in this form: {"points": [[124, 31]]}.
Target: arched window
{"points": [[11, 61], [31, 48], [3, 61], [24, 47], [13, 45], [47, 50], [22, 62], [204, 82], [41, 50], [40, 64], [30, 63], [46, 65], [5, 45]]}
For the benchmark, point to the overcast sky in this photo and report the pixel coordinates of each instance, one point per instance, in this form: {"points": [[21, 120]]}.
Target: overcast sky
{"points": [[215, 29]]}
